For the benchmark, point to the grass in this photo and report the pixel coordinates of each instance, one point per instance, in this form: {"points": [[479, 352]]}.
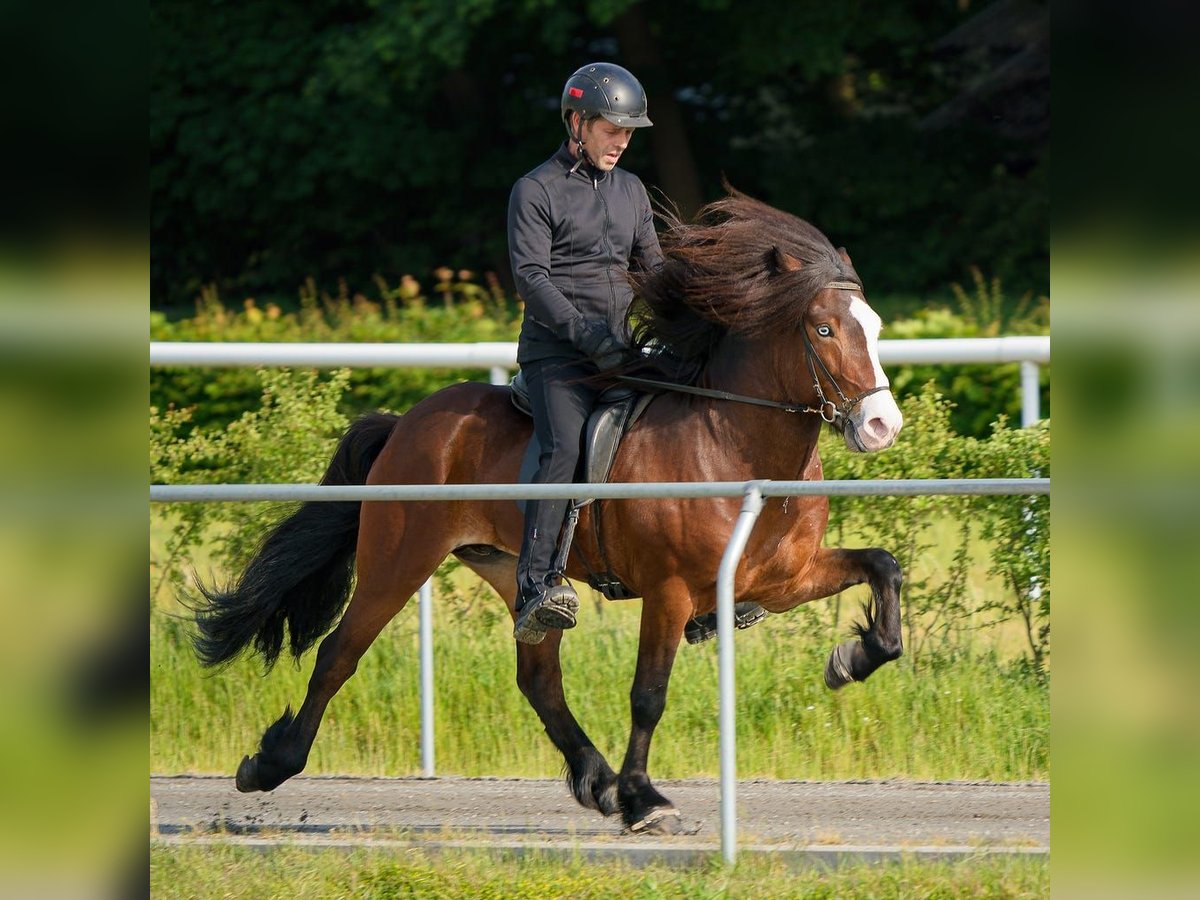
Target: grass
{"points": [[965, 716], [234, 872]]}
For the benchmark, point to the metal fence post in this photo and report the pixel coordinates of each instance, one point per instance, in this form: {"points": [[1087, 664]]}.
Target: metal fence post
{"points": [[425, 604], [1031, 390], [752, 505]]}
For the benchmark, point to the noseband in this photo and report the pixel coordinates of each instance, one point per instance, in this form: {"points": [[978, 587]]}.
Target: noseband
{"points": [[836, 414]]}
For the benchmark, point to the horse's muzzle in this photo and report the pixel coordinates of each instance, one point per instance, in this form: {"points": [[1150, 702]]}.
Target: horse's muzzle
{"points": [[873, 424]]}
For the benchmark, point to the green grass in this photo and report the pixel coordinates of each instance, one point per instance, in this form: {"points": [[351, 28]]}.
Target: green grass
{"points": [[972, 716], [235, 872]]}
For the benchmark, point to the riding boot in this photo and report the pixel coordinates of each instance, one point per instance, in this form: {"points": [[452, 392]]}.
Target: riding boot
{"points": [[701, 628], [544, 601]]}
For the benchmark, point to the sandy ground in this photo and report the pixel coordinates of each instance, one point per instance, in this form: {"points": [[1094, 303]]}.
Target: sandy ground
{"points": [[536, 812]]}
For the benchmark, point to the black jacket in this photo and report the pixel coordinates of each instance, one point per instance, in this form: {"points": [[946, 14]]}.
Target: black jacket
{"points": [[571, 238]]}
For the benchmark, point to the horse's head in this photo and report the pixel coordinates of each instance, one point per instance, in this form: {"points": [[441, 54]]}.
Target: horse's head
{"points": [[839, 335], [793, 303]]}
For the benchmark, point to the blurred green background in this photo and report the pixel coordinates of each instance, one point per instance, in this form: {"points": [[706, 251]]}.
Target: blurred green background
{"points": [[340, 140]]}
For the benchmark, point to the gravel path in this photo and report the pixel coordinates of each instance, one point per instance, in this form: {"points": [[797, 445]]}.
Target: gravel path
{"points": [[778, 815]]}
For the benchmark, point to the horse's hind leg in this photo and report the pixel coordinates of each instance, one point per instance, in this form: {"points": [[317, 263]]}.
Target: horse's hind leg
{"points": [[390, 570], [539, 676]]}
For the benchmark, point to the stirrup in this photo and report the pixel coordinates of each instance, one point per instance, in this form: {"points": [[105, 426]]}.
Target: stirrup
{"points": [[703, 628], [555, 607]]}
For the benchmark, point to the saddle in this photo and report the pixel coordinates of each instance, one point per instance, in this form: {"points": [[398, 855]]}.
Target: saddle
{"points": [[616, 410]]}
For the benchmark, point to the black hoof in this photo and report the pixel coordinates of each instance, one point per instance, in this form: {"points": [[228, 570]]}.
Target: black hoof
{"points": [[664, 820], [246, 779], [837, 669]]}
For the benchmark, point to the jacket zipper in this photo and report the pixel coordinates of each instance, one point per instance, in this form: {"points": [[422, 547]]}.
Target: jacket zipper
{"points": [[612, 293]]}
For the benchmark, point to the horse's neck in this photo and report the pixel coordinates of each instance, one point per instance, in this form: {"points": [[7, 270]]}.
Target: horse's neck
{"points": [[756, 368], [740, 440]]}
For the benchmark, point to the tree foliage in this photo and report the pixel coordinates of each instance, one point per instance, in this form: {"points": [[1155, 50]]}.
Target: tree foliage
{"points": [[344, 138]]}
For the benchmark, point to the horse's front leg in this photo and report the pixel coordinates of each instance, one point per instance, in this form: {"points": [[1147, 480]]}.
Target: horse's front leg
{"points": [[643, 808], [879, 640]]}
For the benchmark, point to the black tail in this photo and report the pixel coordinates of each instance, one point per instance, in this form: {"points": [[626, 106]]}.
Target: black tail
{"points": [[301, 573]]}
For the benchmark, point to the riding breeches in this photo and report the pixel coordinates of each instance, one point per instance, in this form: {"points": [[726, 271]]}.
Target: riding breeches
{"points": [[561, 401]]}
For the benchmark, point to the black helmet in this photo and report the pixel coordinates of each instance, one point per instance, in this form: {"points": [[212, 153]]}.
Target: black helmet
{"points": [[605, 89]]}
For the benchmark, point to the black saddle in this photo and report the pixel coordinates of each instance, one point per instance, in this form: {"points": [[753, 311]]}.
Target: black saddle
{"points": [[616, 410]]}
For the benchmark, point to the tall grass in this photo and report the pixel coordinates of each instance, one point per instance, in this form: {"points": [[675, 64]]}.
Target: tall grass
{"points": [[966, 716]]}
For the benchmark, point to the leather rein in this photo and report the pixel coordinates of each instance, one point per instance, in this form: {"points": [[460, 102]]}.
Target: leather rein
{"points": [[829, 411]]}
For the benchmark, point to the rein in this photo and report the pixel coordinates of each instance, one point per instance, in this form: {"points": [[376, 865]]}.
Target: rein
{"points": [[829, 411]]}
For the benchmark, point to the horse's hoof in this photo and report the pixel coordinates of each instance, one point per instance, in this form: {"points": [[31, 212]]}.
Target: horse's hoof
{"points": [[246, 779], [837, 671], [607, 800], [664, 820]]}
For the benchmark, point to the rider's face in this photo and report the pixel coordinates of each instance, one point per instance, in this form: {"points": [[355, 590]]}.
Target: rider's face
{"points": [[605, 142]]}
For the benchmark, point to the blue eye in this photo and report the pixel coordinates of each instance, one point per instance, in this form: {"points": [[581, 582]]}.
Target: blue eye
{"points": [[824, 330]]}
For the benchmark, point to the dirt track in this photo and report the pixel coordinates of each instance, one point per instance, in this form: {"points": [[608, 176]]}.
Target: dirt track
{"points": [[540, 813]]}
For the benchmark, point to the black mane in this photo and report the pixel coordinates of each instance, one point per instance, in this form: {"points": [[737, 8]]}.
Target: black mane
{"points": [[726, 273]]}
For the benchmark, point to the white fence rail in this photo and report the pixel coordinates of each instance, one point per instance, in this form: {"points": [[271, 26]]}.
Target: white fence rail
{"points": [[501, 357]]}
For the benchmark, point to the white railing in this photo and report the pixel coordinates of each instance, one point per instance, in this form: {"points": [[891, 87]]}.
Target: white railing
{"points": [[501, 357]]}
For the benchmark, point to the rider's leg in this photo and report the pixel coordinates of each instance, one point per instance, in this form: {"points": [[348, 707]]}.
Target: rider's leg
{"points": [[561, 406]]}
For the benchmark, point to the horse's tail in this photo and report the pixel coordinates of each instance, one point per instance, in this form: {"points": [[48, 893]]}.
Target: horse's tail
{"points": [[301, 573]]}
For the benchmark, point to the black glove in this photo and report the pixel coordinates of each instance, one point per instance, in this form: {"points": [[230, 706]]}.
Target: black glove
{"points": [[594, 339]]}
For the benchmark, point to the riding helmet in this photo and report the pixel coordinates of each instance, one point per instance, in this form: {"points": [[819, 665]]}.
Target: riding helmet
{"points": [[605, 89]]}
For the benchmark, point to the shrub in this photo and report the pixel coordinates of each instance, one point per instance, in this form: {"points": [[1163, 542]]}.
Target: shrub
{"points": [[982, 394], [292, 435], [289, 438], [460, 310]]}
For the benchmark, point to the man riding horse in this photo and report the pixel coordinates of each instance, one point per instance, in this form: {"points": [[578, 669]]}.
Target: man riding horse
{"points": [[575, 224]]}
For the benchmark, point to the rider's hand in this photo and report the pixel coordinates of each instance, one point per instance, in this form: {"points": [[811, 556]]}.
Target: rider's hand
{"points": [[595, 340]]}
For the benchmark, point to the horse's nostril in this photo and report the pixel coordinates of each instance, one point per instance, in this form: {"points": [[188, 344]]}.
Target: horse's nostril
{"points": [[876, 427]]}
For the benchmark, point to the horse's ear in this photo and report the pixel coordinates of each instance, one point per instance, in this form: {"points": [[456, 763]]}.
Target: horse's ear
{"points": [[841, 251], [784, 262]]}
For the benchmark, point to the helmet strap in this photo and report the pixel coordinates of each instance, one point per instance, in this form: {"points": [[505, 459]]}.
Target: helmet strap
{"points": [[577, 137]]}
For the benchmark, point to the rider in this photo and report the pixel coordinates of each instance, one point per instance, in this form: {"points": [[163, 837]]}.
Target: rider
{"points": [[575, 224]]}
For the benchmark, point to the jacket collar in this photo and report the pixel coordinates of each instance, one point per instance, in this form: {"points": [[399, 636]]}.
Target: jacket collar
{"points": [[564, 158]]}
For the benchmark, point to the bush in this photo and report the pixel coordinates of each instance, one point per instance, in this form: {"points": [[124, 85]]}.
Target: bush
{"points": [[289, 438], [982, 394], [460, 310]]}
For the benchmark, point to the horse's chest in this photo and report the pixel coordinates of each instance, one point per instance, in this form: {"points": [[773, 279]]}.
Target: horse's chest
{"points": [[778, 556]]}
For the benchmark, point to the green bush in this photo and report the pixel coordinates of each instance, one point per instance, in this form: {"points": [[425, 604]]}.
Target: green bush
{"points": [[289, 438], [982, 394], [458, 310]]}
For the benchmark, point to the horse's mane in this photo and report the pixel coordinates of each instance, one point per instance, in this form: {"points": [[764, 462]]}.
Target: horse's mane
{"points": [[723, 274]]}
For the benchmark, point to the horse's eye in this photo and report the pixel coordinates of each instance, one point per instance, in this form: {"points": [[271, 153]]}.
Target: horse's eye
{"points": [[824, 330]]}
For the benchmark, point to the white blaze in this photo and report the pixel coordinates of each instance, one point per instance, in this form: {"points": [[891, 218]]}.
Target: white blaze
{"points": [[871, 326], [877, 420]]}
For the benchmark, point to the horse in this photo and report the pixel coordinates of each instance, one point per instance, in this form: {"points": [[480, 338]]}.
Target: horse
{"points": [[761, 306]]}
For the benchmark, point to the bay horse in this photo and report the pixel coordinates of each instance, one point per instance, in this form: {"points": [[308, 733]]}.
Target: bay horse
{"points": [[763, 307]]}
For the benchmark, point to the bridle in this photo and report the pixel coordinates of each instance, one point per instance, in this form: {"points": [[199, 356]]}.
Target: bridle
{"points": [[835, 411], [835, 414]]}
